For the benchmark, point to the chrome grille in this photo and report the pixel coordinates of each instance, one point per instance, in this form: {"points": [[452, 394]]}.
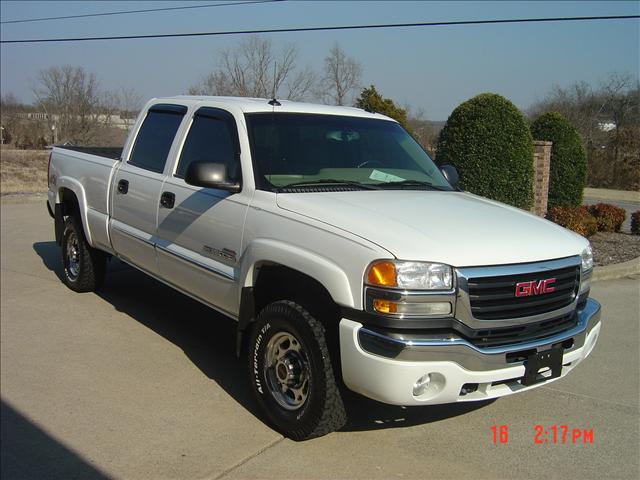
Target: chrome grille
{"points": [[493, 298]]}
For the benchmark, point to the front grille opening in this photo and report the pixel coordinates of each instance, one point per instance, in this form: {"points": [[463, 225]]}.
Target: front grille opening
{"points": [[515, 357], [567, 344], [505, 382], [494, 298], [523, 333]]}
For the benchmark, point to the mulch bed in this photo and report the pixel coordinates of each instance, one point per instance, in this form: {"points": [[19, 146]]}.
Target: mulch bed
{"points": [[610, 248]]}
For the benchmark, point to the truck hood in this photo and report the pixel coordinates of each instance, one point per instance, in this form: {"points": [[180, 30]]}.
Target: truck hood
{"points": [[455, 228]]}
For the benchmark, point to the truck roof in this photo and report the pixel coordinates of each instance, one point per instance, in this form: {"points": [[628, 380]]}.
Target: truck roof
{"points": [[254, 105]]}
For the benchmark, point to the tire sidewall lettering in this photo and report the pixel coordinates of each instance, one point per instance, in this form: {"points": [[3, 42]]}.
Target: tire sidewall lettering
{"points": [[256, 358]]}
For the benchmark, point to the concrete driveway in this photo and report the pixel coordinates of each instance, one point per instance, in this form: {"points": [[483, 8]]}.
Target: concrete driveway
{"points": [[141, 382]]}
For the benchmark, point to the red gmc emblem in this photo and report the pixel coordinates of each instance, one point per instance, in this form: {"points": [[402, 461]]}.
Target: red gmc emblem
{"points": [[526, 289]]}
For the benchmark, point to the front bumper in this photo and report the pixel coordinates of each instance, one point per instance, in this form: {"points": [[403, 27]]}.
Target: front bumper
{"points": [[385, 367]]}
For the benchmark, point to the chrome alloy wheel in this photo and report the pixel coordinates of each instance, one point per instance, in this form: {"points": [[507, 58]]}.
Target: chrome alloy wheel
{"points": [[72, 267], [287, 371]]}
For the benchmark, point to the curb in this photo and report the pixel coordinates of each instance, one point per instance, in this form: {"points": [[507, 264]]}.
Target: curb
{"points": [[617, 270]]}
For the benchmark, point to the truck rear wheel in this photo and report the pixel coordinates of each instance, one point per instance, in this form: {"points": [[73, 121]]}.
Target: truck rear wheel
{"points": [[84, 266], [291, 374]]}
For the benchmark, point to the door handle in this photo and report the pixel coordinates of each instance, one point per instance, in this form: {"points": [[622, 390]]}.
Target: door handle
{"points": [[167, 199], [123, 186]]}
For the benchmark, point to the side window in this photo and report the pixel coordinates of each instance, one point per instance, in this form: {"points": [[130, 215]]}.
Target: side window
{"points": [[156, 136], [210, 139]]}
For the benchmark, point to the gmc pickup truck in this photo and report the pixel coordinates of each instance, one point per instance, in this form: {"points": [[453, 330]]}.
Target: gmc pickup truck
{"points": [[346, 256]]}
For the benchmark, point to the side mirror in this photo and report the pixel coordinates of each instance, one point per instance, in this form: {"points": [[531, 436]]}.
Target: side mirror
{"points": [[451, 174], [210, 175]]}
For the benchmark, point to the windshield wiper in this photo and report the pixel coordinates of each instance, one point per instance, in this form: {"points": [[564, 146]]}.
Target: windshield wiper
{"points": [[413, 183], [330, 181]]}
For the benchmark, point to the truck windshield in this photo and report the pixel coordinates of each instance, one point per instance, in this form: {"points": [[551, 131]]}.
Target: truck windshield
{"points": [[292, 149]]}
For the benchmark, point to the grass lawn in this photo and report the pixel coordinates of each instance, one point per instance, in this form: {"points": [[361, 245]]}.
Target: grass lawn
{"points": [[23, 171]]}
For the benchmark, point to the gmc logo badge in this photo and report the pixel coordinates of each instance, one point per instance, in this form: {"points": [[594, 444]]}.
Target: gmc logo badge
{"points": [[526, 289]]}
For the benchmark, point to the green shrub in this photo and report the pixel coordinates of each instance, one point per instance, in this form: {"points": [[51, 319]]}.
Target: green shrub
{"points": [[635, 222], [609, 217], [372, 101], [578, 219], [488, 140], [568, 168]]}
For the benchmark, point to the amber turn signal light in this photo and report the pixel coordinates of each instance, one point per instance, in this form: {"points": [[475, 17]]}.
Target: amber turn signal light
{"points": [[382, 273], [385, 306]]}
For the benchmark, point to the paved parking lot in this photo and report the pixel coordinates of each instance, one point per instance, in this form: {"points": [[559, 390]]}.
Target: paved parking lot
{"points": [[141, 382]]}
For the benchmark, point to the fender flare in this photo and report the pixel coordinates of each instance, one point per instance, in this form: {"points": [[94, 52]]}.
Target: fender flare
{"points": [[325, 271], [76, 187], [321, 269]]}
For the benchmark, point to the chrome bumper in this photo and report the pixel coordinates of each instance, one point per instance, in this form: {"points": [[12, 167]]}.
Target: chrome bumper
{"points": [[452, 348]]}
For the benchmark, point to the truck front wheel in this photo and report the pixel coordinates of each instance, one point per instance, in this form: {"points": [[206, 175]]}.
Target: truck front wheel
{"points": [[291, 374], [84, 267]]}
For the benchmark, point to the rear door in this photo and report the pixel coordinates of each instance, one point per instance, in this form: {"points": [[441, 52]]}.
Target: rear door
{"points": [[137, 185], [200, 229]]}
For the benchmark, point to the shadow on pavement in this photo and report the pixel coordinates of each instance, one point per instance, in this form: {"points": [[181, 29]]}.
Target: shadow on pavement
{"points": [[366, 414], [29, 452], [208, 340]]}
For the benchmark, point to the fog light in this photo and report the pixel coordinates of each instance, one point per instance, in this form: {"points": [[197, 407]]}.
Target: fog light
{"points": [[421, 385]]}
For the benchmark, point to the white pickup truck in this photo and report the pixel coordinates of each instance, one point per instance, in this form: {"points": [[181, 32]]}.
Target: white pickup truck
{"points": [[347, 258]]}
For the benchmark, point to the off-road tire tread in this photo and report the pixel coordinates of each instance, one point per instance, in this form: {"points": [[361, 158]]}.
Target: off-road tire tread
{"points": [[93, 264], [333, 416]]}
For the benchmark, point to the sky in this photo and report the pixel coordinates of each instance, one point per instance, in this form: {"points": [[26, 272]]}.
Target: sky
{"points": [[432, 69]]}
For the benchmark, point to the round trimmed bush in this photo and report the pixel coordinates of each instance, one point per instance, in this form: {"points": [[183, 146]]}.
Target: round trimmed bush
{"points": [[578, 219], [609, 217], [488, 140], [568, 169]]}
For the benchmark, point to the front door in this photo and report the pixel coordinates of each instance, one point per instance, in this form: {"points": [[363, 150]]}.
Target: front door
{"points": [[200, 230]]}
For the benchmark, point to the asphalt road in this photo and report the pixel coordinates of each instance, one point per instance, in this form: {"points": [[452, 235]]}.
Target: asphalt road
{"points": [[141, 382]]}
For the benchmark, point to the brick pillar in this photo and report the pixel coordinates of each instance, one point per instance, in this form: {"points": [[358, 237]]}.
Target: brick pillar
{"points": [[541, 161]]}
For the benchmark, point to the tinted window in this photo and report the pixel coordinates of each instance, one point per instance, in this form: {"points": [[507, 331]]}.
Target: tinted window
{"points": [[154, 140], [291, 147], [209, 140]]}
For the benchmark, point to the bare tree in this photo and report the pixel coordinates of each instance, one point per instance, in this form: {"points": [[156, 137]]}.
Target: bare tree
{"points": [[129, 103], [73, 102], [579, 104], [608, 120], [424, 131], [620, 100], [342, 77], [252, 69]]}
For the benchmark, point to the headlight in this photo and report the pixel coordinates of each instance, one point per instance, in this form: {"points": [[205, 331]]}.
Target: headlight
{"points": [[410, 275], [587, 259]]}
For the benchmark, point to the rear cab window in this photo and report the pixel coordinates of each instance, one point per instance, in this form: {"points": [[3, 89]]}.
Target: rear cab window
{"points": [[155, 137]]}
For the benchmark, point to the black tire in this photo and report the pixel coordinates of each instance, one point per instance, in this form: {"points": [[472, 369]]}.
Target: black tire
{"points": [[322, 410], [84, 267]]}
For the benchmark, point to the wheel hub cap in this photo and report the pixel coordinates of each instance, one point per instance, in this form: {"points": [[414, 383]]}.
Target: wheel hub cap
{"points": [[73, 256], [287, 371]]}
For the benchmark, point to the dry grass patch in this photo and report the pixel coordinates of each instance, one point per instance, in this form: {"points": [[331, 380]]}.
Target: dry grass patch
{"points": [[23, 171]]}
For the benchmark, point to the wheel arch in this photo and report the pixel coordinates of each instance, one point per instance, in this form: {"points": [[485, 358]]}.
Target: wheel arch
{"points": [[72, 200], [277, 271]]}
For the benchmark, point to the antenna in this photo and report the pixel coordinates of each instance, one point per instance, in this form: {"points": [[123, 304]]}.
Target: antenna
{"points": [[273, 102]]}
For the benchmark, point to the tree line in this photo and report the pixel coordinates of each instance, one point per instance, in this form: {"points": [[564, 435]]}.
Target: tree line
{"points": [[72, 106]]}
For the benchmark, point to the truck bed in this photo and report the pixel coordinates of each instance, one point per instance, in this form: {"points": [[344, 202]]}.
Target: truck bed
{"points": [[113, 153]]}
